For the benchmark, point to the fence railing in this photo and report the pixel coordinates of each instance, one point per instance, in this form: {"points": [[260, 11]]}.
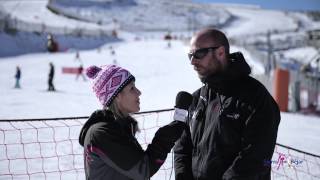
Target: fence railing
{"points": [[49, 149]]}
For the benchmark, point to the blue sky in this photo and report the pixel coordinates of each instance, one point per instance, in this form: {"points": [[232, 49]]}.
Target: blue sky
{"points": [[275, 4]]}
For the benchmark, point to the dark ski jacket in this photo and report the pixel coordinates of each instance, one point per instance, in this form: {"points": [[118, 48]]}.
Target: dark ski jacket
{"points": [[111, 151], [18, 74], [51, 72], [232, 128], [52, 46]]}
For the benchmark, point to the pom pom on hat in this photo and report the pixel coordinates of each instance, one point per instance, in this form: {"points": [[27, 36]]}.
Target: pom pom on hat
{"points": [[108, 81], [92, 71]]}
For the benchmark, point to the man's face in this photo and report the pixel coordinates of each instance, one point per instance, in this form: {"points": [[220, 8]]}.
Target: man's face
{"points": [[207, 57]]}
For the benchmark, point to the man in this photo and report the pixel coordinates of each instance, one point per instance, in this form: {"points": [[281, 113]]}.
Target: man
{"points": [[50, 78], [233, 119]]}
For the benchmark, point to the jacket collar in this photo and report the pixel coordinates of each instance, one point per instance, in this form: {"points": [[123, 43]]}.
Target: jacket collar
{"points": [[106, 116], [97, 116], [237, 69]]}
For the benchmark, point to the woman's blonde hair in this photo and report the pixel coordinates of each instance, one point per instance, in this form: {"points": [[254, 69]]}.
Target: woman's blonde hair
{"points": [[119, 115], [115, 110]]}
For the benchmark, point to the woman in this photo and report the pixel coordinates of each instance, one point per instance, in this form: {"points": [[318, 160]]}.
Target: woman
{"points": [[111, 150]]}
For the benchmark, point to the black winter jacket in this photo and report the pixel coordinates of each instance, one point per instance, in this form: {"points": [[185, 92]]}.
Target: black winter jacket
{"points": [[233, 129], [111, 152]]}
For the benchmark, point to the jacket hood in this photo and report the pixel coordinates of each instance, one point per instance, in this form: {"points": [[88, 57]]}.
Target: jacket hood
{"points": [[237, 69], [97, 116]]}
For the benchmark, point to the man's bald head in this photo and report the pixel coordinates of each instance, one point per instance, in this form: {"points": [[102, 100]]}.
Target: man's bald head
{"points": [[215, 36]]}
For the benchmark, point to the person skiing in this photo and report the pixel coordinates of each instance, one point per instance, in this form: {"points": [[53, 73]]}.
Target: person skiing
{"points": [[50, 78], [52, 45], [17, 76], [77, 57], [80, 73]]}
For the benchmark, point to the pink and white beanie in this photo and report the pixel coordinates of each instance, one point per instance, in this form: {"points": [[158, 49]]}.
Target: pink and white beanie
{"points": [[108, 81]]}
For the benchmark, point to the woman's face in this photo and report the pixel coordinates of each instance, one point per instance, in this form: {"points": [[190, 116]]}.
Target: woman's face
{"points": [[128, 100]]}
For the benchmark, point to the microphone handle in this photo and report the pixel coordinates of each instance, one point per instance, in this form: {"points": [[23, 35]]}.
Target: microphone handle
{"points": [[180, 114]]}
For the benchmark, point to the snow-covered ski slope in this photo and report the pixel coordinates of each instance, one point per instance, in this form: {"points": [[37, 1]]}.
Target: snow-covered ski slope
{"points": [[161, 72], [37, 13], [144, 15]]}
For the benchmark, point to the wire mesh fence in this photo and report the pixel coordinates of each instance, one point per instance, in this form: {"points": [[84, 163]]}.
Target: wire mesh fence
{"points": [[49, 149]]}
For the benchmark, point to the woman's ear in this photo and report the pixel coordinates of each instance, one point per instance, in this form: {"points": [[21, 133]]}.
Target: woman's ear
{"points": [[117, 98]]}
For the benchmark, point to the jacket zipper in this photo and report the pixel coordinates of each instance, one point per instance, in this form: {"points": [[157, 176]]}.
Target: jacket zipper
{"points": [[208, 99], [221, 104], [220, 111]]}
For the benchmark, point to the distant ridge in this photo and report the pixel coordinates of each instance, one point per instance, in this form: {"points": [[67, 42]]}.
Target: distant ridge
{"points": [[243, 6], [144, 15], [90, 3]]}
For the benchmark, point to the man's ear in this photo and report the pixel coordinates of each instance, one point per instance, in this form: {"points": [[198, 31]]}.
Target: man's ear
{"points": [[221, 52]]}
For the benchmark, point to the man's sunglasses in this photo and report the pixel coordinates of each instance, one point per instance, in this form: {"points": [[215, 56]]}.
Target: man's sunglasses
{"points": [[201, 53]]}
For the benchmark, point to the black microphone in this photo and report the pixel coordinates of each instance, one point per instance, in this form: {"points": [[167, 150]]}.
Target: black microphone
{"points": [[183, 101]]}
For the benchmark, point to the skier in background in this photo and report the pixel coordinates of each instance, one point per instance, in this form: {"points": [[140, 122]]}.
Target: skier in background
{"points": [[17, 77], [112, 51], [52, 45], [77, 58], [50, 79], [168, 38], [80, 73]]}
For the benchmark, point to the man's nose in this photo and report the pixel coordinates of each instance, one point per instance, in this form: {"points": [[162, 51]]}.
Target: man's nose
{"points": [[193, 61]]}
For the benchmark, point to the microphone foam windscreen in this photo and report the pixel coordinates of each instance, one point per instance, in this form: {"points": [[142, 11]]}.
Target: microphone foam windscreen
{"points": [[183, 100]]}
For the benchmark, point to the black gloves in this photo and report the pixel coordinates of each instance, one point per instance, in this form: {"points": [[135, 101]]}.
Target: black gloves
{"points": [[165, 138]]}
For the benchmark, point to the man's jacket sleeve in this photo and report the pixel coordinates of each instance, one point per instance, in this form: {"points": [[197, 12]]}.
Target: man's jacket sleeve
{"points": [[183, 157], [258, 142]]}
